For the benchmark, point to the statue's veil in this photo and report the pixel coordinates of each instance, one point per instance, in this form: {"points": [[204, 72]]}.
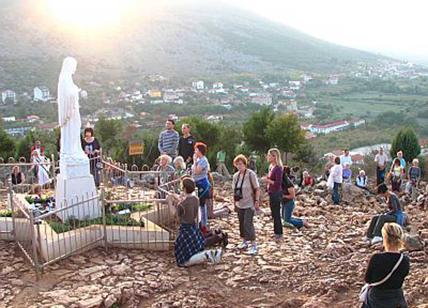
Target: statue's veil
{"points": [[66, 86]]}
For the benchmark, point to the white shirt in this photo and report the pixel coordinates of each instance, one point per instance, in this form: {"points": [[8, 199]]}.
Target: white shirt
{"points": [[345, 160], [381, 159], [336, 173]]}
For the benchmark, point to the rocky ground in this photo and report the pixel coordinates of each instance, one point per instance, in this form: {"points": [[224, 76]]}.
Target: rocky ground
{"points": [[318, 267]]}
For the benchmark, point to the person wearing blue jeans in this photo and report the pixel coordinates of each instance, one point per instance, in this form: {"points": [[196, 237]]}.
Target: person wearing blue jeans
{"points": [[336, 195], [204, 187], [336, 177], [200, 170], [288, 203]]}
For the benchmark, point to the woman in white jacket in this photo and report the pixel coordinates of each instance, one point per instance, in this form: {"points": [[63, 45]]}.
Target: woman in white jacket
{"points": [[335, 180]]}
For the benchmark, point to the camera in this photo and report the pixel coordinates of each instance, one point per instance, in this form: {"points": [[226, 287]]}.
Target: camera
{"points": [[237, 194]]}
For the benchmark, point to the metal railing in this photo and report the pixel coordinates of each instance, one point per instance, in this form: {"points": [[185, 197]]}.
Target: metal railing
{"points": [[132, 210]]}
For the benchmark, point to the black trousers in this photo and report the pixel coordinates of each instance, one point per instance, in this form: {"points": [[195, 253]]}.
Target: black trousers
{"points": [[275, 207], [376, 224]]}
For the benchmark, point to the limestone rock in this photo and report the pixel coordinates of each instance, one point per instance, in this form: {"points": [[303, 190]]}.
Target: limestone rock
{"points": [[413, 242]]}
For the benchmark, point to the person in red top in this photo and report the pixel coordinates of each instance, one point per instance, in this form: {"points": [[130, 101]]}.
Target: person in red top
{"points": [[274, 187], [37, 146], [307, 179]]}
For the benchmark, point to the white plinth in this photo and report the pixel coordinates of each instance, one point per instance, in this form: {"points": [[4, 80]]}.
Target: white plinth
{"points": [[75, 185]]}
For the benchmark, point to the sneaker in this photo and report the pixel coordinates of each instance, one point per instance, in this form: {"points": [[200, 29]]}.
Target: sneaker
{"points": [[216, 255], [252, 250], [243, 245], [278, 237], [376, 239], [286, 224]]}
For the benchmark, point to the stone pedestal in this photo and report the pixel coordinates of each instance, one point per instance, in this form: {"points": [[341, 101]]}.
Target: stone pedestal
{"points": [[75, 185]]}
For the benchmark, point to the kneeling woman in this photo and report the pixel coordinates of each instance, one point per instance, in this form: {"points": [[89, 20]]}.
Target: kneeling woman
{"points": [[189, 245], [386, 271], [288, 204]]}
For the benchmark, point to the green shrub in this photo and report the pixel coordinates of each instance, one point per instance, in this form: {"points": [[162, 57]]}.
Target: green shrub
{"points": [[5, 213]]}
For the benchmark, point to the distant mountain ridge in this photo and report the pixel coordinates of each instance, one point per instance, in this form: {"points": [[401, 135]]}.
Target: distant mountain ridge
{"points": [[188, 40]]}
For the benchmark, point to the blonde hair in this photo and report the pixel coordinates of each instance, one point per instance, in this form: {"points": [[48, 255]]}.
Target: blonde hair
{"points": [[277, 154], [180, 160], [393, 234], [167, 157], [415, 161]]}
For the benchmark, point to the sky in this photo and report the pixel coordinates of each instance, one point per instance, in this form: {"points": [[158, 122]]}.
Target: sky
{"points": [[394, 28]]}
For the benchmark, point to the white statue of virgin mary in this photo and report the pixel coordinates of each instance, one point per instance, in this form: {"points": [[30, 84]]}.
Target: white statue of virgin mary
{"points": [[69, 115], [74, 180]]}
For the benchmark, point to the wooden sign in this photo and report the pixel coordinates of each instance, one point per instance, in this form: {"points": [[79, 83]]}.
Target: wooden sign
{"points": [[136, 148]]}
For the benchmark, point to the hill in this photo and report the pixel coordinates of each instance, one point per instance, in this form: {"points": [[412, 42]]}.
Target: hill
{"points": [[184, 40]]}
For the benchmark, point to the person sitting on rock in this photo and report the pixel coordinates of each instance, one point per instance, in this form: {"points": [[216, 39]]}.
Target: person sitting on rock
{"points": [[180, 167], [395, 214], [189, 244], [308, 180], [361, 180], [166, 170], [386, 271]]}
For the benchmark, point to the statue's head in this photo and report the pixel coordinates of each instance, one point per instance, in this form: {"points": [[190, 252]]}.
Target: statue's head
{"points": [[69, 65]]}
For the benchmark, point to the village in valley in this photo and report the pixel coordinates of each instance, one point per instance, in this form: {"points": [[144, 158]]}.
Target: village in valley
{"points": [[142, 104]]}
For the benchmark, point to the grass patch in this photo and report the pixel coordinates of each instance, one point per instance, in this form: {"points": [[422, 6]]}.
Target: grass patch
{"points": [[5, 213], [111, 220], [140, 207]]}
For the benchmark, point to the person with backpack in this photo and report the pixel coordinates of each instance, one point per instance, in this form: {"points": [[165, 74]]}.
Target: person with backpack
{"points": [[246, 196], [274, 187], [200, 169], [361, 180], [288, 204], [395, 214], [386, 272]]}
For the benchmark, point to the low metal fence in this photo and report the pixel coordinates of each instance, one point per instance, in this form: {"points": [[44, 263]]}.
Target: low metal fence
{"points": [[28, 172], [133, 212]]}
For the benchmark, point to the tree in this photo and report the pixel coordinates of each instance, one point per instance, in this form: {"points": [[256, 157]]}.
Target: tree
{"points": [[7, 145], [407, 142], [306, 154], [110, 133], [203, 130], [285, 133], [255, 130], [206, 132]]}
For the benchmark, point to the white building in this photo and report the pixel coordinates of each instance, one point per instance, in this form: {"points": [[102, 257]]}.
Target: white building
{"points": [[170, 96], [329, 127], [198, 85], [262, 99], [41, 94], [359, 123], [215, 118], [332, 80], [217, 85], [136, 96], [294, 84], [9, 119], [8, 96], [290, 105]]}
